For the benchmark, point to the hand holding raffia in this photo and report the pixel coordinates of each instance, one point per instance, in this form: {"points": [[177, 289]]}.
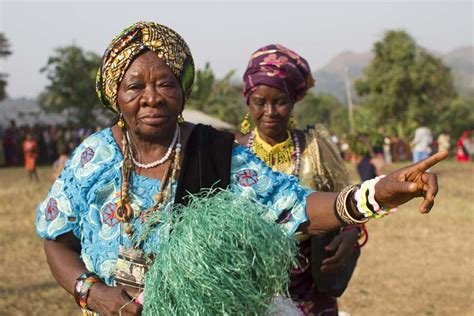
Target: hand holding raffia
{"points": [[222, 257]]}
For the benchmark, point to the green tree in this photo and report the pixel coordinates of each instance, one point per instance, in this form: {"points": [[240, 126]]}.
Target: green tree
{"points": [[457, 117], [218, 97], [71, 73], [5, 51], [404, 85], [323, 109], [202, 89]]}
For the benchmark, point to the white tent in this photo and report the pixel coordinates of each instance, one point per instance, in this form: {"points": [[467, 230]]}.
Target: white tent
{"points": [[27, 112], [195, 117]]}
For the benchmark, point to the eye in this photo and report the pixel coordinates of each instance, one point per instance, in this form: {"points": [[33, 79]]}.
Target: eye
{"points": [[259, 102], [134, 86], [282, 102], [167, 84]]}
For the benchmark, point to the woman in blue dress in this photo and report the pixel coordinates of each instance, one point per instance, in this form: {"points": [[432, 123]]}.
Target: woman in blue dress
{"points": [[97, 220]]}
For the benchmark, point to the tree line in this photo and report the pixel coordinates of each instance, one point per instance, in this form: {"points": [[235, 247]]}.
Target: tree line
{"points": [[403, 87]]}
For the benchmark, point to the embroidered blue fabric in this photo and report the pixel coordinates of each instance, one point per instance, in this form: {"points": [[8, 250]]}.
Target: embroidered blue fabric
{"points": [[84, 198]]}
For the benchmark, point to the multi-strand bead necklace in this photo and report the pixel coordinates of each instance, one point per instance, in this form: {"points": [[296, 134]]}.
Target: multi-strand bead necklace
{"points": [[284, 152], [124, 212]]}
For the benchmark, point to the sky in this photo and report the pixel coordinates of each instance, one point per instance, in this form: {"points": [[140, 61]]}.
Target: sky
{"points": [[224, 33]]}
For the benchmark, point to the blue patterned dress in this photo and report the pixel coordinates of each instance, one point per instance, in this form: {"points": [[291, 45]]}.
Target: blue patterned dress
{"points": [[84, 198]]}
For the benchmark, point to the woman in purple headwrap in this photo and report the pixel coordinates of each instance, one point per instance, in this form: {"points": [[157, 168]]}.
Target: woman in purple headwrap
{"points": [[276, 78], [101, 218]]}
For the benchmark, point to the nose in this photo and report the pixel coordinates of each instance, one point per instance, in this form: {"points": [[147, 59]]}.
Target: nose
{"points": [[152, 97], [269, 109]]}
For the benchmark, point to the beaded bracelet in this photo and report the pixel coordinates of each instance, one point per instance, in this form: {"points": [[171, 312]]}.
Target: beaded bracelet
{"points": [[365, 200], [82, 287], [341, 211]]}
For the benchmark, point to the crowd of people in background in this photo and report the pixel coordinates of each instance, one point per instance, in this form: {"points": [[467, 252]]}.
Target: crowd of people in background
{"points": [[39, 144], [371, 156], [52, 144]]}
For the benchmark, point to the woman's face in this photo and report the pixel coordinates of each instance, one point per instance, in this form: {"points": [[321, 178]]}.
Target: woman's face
{"points": [[270, 109], [150, 97]]}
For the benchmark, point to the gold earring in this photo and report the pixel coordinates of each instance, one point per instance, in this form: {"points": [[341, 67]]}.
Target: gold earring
{"points": [[292, 123], [245, 124], [121, 121], [180, 118]]}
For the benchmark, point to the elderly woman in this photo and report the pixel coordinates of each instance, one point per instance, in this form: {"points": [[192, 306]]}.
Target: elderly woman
{"points": [[97, 220], [276, 78]]}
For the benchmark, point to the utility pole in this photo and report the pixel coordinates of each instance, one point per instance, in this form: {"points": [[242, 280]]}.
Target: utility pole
{"points": [[350, 105]]}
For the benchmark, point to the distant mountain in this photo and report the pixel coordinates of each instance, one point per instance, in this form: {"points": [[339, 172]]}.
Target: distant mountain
{"points": [[330, 78], [461, 61]]}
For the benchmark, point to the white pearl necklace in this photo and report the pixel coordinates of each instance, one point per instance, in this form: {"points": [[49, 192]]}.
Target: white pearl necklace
{"points": [[177, 134]]}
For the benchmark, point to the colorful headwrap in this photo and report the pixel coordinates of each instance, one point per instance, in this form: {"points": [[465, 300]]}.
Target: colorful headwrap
{"points": [[166, 43], [277, 66]]}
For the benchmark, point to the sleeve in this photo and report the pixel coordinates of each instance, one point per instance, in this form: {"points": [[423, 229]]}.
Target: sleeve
{"points": [[281, 193], [328, 169], [60, 211]]}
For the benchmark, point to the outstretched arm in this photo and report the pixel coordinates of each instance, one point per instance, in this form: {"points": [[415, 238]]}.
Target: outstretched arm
{"points": [[395, 189]]}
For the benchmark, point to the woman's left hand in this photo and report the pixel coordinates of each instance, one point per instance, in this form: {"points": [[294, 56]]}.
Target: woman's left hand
{"points": [[342, 246], [407, 183]]}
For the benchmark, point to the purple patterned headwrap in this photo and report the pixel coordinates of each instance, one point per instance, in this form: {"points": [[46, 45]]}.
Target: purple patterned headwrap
{"points": [[278, 67]]}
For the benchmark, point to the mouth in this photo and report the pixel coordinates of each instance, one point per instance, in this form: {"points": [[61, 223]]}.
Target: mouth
{"points": [[271, 123], [153, 120]]}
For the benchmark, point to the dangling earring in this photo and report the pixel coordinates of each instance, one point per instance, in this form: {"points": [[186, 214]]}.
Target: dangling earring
{"points": [[245, 124], [180, 118], [121, 121], [292, 123]]}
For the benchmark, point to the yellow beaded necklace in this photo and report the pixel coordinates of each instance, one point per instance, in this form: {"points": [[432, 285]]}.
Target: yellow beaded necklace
{"points": [[273, 156]]}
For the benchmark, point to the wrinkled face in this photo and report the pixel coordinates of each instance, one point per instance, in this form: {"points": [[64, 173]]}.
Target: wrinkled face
{"points": [[150, 97], [270, 109]]}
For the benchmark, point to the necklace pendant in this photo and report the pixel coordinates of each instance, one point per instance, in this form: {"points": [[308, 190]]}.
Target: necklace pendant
{"points": [[132, 264]]}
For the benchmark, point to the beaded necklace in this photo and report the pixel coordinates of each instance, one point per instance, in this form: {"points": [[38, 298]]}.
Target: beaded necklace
{"points": [[156, 162], [284, 152], [124, 212]]}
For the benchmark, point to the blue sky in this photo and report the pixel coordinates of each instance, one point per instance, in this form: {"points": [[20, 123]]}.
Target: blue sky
{"points": [[224, 33]]}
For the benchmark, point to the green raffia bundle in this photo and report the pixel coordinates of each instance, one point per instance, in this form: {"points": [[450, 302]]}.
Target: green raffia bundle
{"points": [[222, 257]]}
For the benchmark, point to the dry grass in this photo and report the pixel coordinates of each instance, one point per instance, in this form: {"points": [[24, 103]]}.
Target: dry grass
{"points": [[416, 264], [412, 265]]}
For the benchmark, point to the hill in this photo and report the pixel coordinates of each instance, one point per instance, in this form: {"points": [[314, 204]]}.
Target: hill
{"points": [[330, 78]]}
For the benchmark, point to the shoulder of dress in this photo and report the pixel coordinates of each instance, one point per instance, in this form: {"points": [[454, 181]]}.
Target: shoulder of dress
{"points": [[316, 132], [242, 151], [96, 151], [98, 138]]}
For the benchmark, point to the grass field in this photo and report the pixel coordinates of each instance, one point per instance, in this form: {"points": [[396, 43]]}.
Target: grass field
{"points": [[413, 264]]}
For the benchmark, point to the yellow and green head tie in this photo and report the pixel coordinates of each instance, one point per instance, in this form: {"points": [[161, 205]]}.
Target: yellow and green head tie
{"points": [[166, 43]]}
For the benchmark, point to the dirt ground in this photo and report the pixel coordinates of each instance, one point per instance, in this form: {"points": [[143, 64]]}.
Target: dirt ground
{"points": [[412, 265]]}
